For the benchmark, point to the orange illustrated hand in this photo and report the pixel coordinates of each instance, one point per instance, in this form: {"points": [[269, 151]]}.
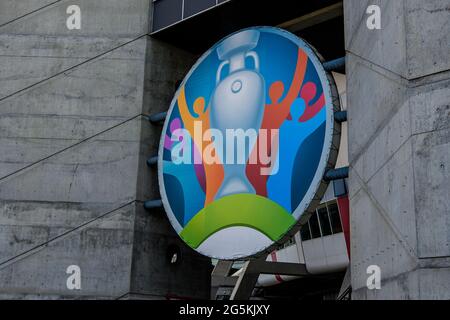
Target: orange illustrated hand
{"points": [[274, 115], [213, 172]]}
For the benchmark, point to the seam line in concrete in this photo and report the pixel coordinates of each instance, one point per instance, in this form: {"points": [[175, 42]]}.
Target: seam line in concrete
{"points": [[41, 246], [67, 148], [389, 159], [399, 79], [358, 26], [411, 136], [416, 225], [71, 68], [30, 13], [393, 112], [385, 216]]}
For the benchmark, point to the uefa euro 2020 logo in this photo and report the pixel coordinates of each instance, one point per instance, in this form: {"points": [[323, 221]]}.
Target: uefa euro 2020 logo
{"points": [[246, 142]]}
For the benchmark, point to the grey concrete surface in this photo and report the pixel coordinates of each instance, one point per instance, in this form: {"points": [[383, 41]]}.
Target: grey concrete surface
{"points": [[398, 95], [73, 146]]}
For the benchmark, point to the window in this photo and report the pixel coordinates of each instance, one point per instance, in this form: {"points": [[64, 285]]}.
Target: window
{"points": [[335, 218], [324, 221], [193, 7], [305, 234], [340, 188], [166, 12], [314, 226], [288, 243], [169, 12]]}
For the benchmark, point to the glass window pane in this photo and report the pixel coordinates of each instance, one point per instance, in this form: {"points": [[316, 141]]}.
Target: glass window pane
{"points": [[314, 225], [335, 218], [288, 243], [166, 12], [324, 221], [192, 7], [340, 189], [304, 232]]}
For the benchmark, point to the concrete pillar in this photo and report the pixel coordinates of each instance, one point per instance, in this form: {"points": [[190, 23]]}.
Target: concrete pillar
{"points": [[398, 90], [73, 145]]}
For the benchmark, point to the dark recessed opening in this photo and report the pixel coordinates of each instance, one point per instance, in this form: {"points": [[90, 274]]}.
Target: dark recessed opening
{"points": [[198, 33]]}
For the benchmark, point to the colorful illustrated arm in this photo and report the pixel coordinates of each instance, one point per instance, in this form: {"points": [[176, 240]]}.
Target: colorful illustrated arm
{"points": [[312, 110], [184, 111], [297, 82]]}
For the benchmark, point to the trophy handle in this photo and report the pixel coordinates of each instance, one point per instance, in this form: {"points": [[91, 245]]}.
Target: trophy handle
{"points": [[255, 57], [219, 71]]}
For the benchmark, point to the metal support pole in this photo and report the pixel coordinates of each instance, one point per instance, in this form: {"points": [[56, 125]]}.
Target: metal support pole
{"points": [[220, 278], [247, 280], [152, 161], [340, 116], [153, 204], [157, 118], [335, 65], [252, 269], [336, 174]]}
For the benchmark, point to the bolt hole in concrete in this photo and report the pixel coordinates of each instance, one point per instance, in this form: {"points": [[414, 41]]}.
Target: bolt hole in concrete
{"points": [[174, 255]]}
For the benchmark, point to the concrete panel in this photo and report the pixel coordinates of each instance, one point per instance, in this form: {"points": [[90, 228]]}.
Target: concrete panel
{"points": [[386, 143], [385, 47], [152, 272], [165, 65], [428, 37], [112, 73], [13, 9], [354, 17], [434, 284], [101, 249], [17, 153], [28, 224], [83, 172], [407, 44], [100, 18], [28, 60], [40, 45], [395, 179], [377, 244], [432, 190], [430, 107], [372, 102], [402, 287], [423, 284], [383, 232], [73, 187], [82, 138], [354, 183], [71, 107]]}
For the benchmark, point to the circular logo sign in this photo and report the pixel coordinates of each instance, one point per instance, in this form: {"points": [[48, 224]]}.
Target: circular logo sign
{"points": [[246, 142]]}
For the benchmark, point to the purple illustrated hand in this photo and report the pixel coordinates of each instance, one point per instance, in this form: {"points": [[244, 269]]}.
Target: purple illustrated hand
{"points": [[174, 125]]}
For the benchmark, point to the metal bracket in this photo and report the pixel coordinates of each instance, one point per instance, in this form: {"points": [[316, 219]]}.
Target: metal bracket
{"points": [[336, 174], [335, 65], [153, 204], [157, 118], [152, 161], [340, 116], [244, 284]]}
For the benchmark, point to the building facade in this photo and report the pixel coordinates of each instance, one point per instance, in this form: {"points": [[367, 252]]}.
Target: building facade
{"points": [[80, 80]]}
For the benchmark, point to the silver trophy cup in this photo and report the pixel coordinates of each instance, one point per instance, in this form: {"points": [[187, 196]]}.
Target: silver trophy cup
{"points": [[237, 104]]}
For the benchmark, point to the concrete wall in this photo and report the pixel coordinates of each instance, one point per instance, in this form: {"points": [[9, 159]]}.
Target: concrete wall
{"points": [[398, 89], [73, 145]]}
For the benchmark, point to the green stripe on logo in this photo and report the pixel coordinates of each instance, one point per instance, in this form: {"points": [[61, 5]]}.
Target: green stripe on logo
{"points": [[246, 210]]}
